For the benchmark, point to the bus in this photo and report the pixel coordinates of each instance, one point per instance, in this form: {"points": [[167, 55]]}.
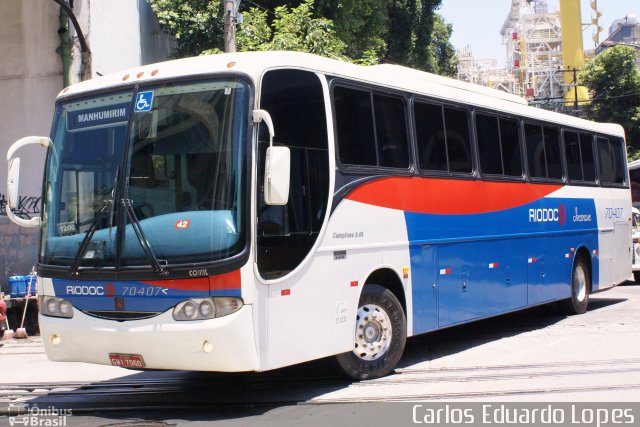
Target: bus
{"points": [[634, 181], [250, 211]]}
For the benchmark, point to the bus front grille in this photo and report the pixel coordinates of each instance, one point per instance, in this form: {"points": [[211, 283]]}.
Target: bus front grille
{"points": [[121, 316]]}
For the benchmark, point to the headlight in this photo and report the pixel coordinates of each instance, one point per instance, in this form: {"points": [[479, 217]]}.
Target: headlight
{"points": [[206, 308], [55, 307]]}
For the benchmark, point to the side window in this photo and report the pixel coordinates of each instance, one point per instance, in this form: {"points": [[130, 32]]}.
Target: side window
{"points": [[605, 160], [510, 140], [588, 164], [391, 131], [578, 148], [286, 234], [442, 135], [371, 128], [543, 151], [432, 146], [499, 145], [612, 165], [552, 152], [354, 120], [489, 144], [458, 141], [535, 151], [573, 155]]}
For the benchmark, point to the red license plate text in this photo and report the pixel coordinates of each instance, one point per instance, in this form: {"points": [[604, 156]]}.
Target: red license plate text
{"points": [[126, 360]]}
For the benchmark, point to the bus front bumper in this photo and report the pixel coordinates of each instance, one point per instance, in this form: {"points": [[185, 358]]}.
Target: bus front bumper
{"points": [[225, 344]]}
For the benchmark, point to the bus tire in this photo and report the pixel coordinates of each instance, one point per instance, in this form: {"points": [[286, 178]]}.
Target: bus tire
{"points": [[380, 335], [580, 286]]}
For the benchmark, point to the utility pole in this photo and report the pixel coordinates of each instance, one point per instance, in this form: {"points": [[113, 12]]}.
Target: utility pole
{"points": [[230, 21]]}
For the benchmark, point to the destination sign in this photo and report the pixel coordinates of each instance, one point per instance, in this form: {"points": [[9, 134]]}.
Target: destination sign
{"points": [[98, 116]]}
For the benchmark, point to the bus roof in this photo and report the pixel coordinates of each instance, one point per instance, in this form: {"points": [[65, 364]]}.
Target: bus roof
{"points": [[254, 64]]}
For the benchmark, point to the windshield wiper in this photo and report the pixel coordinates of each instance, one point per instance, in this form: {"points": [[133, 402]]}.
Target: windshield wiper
{"points": [[142, 238], [88, 236]]}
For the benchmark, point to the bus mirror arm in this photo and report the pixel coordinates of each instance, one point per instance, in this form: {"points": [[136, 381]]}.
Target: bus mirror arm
{"points": [[263, 115], [277, 169], [13, 178]]}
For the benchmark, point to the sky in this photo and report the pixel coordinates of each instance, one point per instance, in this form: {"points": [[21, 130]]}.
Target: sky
{"points": [[478, 22]]}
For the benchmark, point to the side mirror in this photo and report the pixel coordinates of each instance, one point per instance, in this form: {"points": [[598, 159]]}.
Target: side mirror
{"points": [[277, 169], [13, 178], [277, 175]]}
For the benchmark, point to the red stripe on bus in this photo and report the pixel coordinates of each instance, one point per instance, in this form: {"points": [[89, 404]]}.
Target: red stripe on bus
{"points": [[226, 281], [448, 197], [215, 283]]}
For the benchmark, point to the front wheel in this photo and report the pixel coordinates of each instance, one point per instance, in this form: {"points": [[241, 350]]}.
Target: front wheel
{"points": [[580, 285], [380, 335]]}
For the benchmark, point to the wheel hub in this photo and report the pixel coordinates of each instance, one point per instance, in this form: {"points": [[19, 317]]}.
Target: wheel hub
{"points": [[373, 332]]}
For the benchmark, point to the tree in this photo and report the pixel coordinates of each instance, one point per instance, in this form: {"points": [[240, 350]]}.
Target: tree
{"points": [[291, 29], [614, 83], [405, 32], [197, 25], [442, 55], [361, 24]]}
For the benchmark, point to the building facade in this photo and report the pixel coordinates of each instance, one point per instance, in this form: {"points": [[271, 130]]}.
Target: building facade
{"points": [[39, 46]]}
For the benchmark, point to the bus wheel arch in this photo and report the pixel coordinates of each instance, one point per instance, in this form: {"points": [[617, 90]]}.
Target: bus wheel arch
{"points": [[581, 285], [584, 253], [387, 278], [380, 334]]}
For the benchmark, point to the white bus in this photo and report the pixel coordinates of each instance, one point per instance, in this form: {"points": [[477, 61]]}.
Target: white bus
{"points": [[244, 212]]}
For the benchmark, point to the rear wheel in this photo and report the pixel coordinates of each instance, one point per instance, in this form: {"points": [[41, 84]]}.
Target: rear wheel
{"points": [[580, 286], [380, 335]]}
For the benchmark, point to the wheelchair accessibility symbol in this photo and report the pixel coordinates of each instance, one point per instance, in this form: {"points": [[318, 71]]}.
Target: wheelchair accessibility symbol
{"points": [[144, 101]]}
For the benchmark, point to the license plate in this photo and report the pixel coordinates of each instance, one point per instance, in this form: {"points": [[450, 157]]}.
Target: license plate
{"points": [[126, 360]]}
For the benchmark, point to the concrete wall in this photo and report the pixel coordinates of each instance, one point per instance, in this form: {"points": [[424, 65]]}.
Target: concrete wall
{"points": [[30, 79], [120, 33]]}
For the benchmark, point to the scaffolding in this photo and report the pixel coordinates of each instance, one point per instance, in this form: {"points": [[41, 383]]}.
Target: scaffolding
{"points": [[485, 72], [533, 39]]}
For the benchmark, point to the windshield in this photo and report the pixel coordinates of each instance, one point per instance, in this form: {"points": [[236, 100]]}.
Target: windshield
{"points": [[148, 178]]}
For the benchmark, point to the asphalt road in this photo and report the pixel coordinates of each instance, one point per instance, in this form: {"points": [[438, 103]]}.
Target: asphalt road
{"points": [[531, 356]]}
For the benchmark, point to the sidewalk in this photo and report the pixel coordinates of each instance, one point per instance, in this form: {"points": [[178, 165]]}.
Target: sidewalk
{"points": [[24, 361]]}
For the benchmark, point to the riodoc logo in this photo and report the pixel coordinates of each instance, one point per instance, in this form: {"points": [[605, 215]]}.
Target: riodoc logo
{"points": [[558, 215]]}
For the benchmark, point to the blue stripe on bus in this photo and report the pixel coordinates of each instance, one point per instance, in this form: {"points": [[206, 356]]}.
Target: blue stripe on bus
{"points": [[466, 267], [136, 295]]}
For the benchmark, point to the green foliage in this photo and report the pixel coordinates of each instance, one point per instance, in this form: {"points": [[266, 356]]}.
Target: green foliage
{"points": [[292, 29], [361, 24], [197, 25], [405, 32], [614, 82], [442, 55]]}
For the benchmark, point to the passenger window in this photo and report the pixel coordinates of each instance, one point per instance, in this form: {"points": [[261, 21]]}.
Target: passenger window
{"points": [[443, 139], [354, 120], [612, 165], [535, 151], [458, 141], [618, 155], [586, 150], [499, 145], [489, 144], [573, 156], [432, 147], [552, 153], [578, 148], [510, 140], [391, 131], [606, 162], [371, 129]]}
